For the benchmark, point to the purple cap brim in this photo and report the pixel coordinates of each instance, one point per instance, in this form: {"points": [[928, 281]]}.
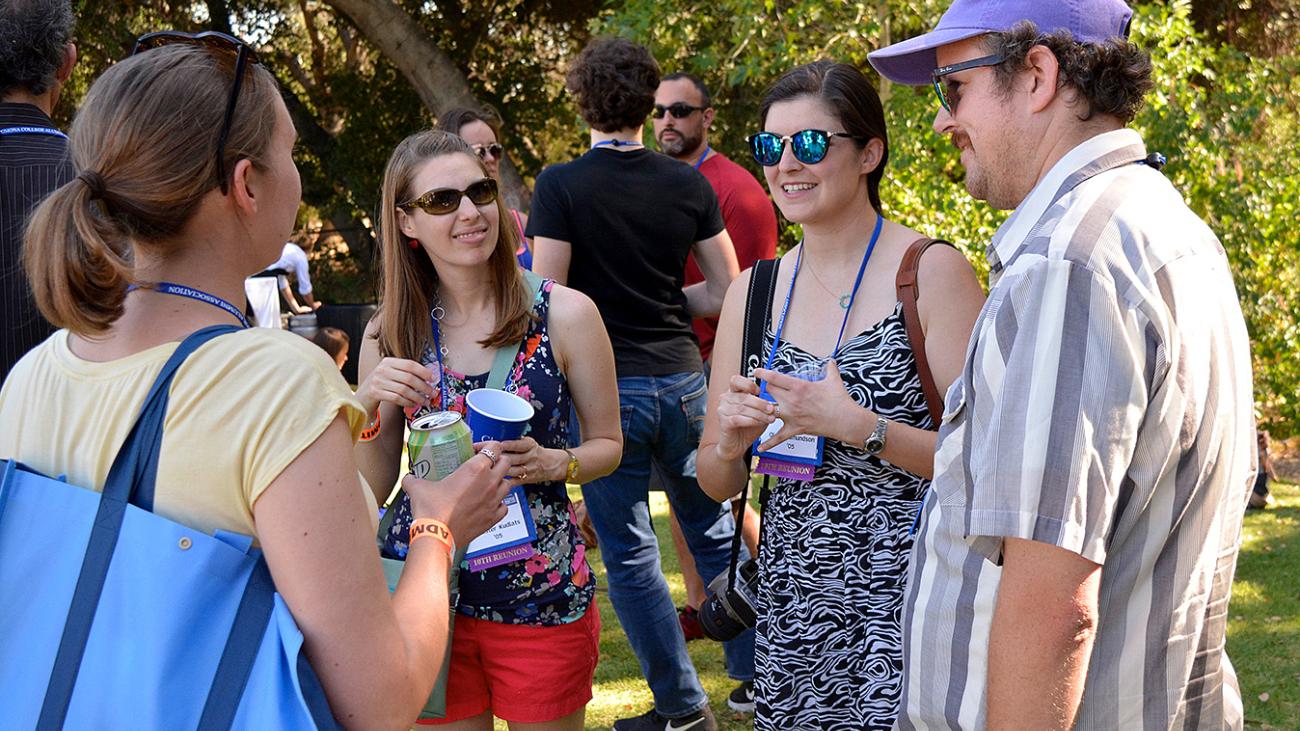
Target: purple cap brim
{"points": [[910, 62]]}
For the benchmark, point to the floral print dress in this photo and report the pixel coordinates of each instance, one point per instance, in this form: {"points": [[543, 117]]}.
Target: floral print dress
{"points": [[555, 585]]}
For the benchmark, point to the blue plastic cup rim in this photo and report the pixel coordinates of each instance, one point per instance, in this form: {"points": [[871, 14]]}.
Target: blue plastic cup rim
{"points": [[499, 405]]}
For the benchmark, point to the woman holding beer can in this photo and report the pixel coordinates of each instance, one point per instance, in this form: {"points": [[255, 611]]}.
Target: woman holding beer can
{"points": [[840, 372], [525, 641], [187, 186]]}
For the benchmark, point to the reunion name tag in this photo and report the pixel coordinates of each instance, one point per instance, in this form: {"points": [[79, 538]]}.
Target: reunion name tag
{"points": [[796, 458], [509, 540]]}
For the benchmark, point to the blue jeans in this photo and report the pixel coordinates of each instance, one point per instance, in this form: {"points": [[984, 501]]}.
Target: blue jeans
{"points": [[662, 419]]}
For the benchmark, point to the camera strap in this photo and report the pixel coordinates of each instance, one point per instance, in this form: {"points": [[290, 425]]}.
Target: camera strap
{"points": [[758, 314]]}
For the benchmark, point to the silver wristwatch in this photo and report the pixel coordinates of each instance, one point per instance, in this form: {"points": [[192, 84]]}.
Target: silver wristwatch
{"points": [[875, 442]]}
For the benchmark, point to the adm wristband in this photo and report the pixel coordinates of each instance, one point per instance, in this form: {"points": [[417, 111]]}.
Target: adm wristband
{"points": [[371, 430], [433, 529]]}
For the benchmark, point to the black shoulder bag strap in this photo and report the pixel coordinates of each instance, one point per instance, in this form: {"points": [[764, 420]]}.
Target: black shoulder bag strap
{"points": [[758, 313]]}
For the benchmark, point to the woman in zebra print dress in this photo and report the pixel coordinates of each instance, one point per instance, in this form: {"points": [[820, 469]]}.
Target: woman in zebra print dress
{"points": [[834, 555]]}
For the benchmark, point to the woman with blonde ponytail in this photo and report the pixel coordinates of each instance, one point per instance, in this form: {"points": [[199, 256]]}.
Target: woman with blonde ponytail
{"points": [[188, 186]]}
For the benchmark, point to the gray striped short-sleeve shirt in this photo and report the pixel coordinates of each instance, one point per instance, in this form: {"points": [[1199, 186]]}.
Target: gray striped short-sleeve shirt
{"points": [[1105, 407]]}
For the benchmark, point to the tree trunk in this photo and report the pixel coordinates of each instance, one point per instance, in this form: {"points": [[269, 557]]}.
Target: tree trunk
{"points": [[219, 16], [440, 84]]}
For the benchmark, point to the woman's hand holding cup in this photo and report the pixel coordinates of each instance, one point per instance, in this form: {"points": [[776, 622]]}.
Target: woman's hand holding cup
{"points": [[807, 405], [531, 463]]}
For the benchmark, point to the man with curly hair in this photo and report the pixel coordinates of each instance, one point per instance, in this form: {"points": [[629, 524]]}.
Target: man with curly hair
{"points": [[36, 60], [1073, 560], [617, 224]]}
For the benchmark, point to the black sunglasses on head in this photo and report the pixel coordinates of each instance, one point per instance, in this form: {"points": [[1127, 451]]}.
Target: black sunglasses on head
{"points": [[679, 110], [441, 201], [218, 41], [494, 149], [949, 97]]}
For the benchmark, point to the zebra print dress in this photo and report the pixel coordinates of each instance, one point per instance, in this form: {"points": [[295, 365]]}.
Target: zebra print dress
{"points": [[834, 558]]}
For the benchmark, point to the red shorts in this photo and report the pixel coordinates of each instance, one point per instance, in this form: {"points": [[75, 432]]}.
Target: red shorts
{"points": [[523, 673]]}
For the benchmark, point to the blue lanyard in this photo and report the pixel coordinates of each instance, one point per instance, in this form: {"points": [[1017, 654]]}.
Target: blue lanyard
{"points": [[48, 131], [616, 143], [862, 268], [437, 354], [700, 161], [195, 294]]}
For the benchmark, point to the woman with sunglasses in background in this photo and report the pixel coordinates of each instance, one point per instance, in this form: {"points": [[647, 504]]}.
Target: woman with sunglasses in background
{"points": [[525, 641], [187, 187], [483, 133], [834, 546]]}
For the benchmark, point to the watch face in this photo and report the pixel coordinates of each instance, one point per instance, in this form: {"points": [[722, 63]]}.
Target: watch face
{"points": [[874, 444]]}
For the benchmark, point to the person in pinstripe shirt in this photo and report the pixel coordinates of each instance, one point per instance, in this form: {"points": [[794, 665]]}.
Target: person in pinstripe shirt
{"points": [[36, 59], [1073, 562]]}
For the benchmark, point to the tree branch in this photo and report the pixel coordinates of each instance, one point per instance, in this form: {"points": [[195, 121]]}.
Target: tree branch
{"points": [[440, 84]]}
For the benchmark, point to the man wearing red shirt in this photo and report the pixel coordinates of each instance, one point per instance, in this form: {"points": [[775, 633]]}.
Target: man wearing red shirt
{"points": [[682, 115]]}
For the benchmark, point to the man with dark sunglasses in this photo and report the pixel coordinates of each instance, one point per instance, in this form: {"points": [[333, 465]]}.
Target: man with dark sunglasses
{"points": [[36, 60], [1073, 562], [617, 224]]}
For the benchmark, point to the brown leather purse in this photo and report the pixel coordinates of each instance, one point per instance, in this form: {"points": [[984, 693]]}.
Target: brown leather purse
{"points": [[905, 283]]}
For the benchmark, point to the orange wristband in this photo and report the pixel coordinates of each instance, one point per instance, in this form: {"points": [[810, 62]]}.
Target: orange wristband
{"points": [[371, 430], [433, 529]]}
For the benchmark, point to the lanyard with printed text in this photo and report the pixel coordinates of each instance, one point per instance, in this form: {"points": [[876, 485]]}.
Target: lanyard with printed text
{"points": [[180, 290], [47, 131]]}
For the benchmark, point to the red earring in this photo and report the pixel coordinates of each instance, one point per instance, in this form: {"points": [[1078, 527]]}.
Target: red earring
{"points": [[413, 244]]}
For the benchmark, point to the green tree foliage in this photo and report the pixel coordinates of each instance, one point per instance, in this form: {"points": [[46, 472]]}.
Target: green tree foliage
{"points": [[1224, 111], [1226, 120], [352, 106], [1229, 124]]}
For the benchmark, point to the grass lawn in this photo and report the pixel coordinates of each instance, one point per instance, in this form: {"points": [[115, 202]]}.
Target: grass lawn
{"points": [[1263, 632], [620, 691], [1264, 623]]}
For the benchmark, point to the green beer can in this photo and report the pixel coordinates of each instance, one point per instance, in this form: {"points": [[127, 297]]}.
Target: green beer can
{"points": [[439, 443]]}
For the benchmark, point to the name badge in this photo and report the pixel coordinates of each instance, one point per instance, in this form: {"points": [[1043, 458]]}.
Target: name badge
{"points": [[509, 540], [795, 458]]}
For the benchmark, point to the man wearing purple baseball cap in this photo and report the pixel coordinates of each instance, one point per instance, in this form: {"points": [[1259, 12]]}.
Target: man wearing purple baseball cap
{"points": [[1073, 561]]}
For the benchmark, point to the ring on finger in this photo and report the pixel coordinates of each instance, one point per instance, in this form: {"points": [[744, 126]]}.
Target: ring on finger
{"points": [[492, 456], [776, 410]]}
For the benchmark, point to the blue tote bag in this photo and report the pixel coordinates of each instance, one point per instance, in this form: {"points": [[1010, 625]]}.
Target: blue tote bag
{"points": [[112, 617]]}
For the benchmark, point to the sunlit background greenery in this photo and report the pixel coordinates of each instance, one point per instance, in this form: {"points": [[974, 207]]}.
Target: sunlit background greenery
{"points": [[1224, 112]]}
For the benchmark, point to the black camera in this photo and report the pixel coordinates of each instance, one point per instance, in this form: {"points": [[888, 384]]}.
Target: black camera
{"points": [[729, 610]]}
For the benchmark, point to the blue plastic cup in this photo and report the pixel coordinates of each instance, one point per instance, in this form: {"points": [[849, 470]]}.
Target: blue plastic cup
{"points": [[496, 415]]}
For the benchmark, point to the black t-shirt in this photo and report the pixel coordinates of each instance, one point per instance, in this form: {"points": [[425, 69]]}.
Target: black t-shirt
{"points": [[631, 218]]}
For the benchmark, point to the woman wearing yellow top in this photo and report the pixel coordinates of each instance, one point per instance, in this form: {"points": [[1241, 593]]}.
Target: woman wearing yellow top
{"points": [[178, 189]]}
